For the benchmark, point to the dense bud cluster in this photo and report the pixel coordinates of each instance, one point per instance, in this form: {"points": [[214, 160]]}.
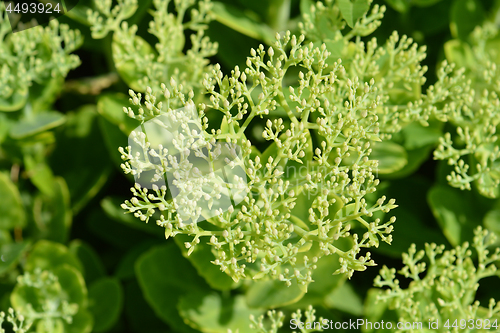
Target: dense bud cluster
{"points": [[36, 55], [472, 105], [51, 309], [141, 65], [268, 234], [448, 288]]}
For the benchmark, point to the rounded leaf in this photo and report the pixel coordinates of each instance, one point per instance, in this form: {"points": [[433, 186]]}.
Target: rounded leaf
{"points": [[38, 123], [11, 208], [213, 313], [391, 156], [48, 255], [271, 294], [72, 284], [105, 303]]}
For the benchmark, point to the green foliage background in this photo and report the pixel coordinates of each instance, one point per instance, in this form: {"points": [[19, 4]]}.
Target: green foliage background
{"points": [[65, 240]]}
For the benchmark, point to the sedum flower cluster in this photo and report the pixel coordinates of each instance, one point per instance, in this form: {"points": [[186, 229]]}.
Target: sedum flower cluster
{"points": [[465, 94], [39, 298], [394, 66], [321, 118], [319, 136], [472, 105], [33, 56], [141, 65], [446, 292], [273, 321], [272, 165]]}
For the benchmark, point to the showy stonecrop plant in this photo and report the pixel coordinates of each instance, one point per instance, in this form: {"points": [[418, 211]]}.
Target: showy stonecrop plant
{"points": [[473, 107], [269, 171], [305, 192], [464, 97], [322, 120], [38, 297], [34, 58], [135, 59], [443, 288], [51, 295]]}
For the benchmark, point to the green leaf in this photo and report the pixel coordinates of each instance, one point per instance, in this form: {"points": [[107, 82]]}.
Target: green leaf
{"points": [[459, 52], [92, 265], [345, 298], [416, 157], [465, 16], [10, 255], [79, 13], [305, 6], [324, 279], [11, 207], [375, 310], [69, 287], [278, 14], [352, 10], [111, 106], [454, 212], [5, 124], [164, 276], [401, 6], [417, 136], [391, 156], [80, 143], [53, 212], [48, 255], [43, 96], [45, 138], [304, 201], [299, 222], [492, 221], [14, 102], [82, 322], [5, 237], [105, 303], [238, 20], [40, 174], [113, 138], [201, 258], [72, 282], [38, 123], [334, 47], [270, 294], [213, 313]]}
